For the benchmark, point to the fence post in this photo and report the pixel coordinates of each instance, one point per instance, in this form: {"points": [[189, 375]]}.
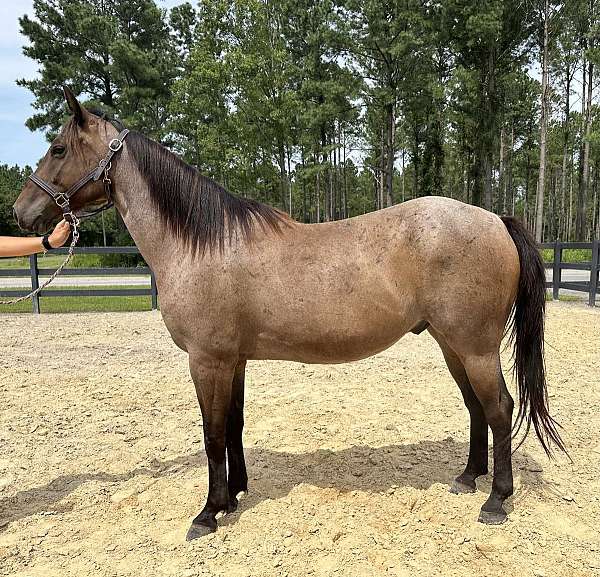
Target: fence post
{"points": [[33, 266], [154, 290], [594, 272], [556, 269]]}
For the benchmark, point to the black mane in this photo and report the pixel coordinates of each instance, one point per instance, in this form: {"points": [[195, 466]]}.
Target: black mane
{"points": [[194, 207]]}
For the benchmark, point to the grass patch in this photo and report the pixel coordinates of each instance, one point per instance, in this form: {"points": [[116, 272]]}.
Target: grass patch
{"points": [[49, 261], [84, 304], [567, 298], [78, 261], [568, 255]]}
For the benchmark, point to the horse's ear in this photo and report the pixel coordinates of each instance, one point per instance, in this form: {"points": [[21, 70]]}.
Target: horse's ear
{"points": [[76, 109]]}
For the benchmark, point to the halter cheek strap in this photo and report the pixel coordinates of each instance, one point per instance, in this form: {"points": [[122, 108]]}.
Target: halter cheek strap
{"points": [[62, 199]]}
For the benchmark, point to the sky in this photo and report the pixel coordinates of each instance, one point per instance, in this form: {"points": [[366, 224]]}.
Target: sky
{"points": [[18, 145]]}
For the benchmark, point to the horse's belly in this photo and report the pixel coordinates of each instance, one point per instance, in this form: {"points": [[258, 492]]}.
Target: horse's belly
{"points": [[320, 353], [331, 340]]}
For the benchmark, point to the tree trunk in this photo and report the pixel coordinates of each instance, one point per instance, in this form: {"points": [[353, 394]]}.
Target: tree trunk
{"points": [[584, 172], [283, 175], [482, 186], [594, 179], [289, 179], [509, 172], [382, 169], [501, 171], [403, 181], [416, 163], [563, 179], [570, 224], [345, 174], [539, 213], [391, 153]]}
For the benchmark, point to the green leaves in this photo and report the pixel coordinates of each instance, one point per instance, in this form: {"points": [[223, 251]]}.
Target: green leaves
{"points": [[12, 179], [327, 108], [118, 54]]}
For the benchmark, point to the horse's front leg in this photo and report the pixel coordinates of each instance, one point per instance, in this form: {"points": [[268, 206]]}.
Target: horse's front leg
{"points": [[237, 479], [213, 381]]}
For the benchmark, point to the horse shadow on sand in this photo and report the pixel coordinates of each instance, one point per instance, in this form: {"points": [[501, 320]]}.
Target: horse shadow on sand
{"points": [[273, 474]]}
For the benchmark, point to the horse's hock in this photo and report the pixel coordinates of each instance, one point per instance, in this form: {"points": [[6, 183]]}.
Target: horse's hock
{"points": [[102, 464]]}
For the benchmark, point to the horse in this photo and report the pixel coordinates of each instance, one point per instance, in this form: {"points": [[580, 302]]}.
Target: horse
{"points": [[239, 281]]}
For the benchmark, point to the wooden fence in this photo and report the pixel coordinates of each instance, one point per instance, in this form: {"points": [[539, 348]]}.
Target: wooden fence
{"points": [[557, 265], [34, 272]]}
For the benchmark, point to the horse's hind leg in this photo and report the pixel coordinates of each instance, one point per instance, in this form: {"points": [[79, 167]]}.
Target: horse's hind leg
{"points": [[477, 463], [237, 478], [485, 375]]}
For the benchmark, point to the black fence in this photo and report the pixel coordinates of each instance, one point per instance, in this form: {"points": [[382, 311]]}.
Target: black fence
{"points": [[557, 265], [34, 272], [590, 286]]}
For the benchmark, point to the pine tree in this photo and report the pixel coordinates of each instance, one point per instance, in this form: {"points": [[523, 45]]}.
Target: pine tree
{"points": [[117, 53]]}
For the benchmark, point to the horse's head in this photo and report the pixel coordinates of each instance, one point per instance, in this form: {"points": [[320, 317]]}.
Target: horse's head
{"points": [[73, 154]]}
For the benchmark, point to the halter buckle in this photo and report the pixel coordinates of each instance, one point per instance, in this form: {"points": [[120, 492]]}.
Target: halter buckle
{"points": [[115, 144], [61, 200]]}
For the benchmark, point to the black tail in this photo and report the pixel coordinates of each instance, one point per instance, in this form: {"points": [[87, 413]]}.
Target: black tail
{"points": [[527, 335]]}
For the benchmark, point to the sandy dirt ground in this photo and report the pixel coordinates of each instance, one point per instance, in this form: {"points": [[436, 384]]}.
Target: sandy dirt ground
{"points": [[102, 465]]}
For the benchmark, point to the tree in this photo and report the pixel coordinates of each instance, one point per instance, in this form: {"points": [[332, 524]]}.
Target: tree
{"points": [[12, 179], [490, 41], [118, 53], [329, 108]]}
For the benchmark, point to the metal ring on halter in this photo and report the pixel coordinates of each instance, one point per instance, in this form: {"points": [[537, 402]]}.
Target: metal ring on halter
{"points": [[62, 200]]}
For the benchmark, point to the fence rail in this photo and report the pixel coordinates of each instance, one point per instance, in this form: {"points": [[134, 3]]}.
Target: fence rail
{"points": [[557, 265], [591, 286], [34, 273]]}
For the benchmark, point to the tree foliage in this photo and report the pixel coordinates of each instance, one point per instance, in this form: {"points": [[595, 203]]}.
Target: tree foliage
{"points": [[330, 108]]}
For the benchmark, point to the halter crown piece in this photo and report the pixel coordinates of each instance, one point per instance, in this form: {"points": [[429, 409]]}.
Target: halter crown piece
{"points": [[62, 199]]}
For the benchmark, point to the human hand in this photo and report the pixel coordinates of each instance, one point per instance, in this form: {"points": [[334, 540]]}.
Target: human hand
{"points": [[60, 234]]}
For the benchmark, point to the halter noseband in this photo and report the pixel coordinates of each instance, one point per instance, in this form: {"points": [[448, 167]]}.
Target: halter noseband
{"points": [[62, 199]]}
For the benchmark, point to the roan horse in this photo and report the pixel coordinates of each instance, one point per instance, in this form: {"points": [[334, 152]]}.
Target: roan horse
{"points": [[239, 280]]}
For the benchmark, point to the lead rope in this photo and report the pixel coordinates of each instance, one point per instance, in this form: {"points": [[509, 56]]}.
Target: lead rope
{"points": [[74, 221]]}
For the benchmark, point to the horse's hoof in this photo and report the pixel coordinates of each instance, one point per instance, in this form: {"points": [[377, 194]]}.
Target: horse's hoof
{"points": [[459, 488], [232, 506], [492, 517], [196, 531]]}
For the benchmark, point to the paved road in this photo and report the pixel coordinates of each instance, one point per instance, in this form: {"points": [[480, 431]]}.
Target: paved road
{"points": [[79, 281]]}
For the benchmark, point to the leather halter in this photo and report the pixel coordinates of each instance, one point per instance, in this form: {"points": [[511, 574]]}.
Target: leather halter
{"points": [[62, 199]]}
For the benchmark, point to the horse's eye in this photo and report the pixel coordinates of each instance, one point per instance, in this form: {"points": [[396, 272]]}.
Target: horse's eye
{"points": [[58, 151]]}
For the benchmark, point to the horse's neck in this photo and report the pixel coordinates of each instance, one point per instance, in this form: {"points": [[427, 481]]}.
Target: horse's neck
{"points": [[147, 228]]}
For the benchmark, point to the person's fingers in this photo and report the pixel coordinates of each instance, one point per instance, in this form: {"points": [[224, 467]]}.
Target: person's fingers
{"points": [[63, 228], [60, 234]]}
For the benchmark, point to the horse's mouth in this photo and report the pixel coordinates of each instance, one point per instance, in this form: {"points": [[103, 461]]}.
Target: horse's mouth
{"points": [[40, 225]]}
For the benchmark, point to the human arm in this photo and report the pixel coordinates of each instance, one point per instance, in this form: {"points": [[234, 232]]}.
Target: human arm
{"points": [[23, 246]]}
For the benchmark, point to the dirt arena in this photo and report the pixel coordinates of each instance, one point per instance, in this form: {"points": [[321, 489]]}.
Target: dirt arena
{"points": [[102, 467]]}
